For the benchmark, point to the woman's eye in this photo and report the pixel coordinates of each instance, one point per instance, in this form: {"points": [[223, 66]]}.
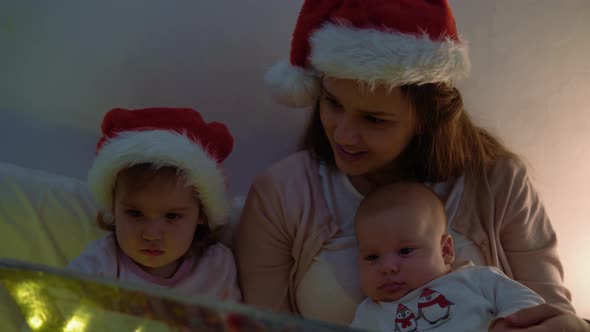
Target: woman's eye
{"points": [[405, 251], [332, 102], [133, 213], [373, 119], [173, 216], [371, 258]]}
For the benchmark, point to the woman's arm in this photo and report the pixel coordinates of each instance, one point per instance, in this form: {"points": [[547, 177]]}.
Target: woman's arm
{"points": [[530, 244], [263, 248], [526, 234]]}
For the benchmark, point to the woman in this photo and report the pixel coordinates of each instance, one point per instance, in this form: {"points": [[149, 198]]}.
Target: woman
{"points": [[380, 75]]}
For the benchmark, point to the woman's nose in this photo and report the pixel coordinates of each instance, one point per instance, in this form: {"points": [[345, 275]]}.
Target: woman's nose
{"points": [[346, 132]]}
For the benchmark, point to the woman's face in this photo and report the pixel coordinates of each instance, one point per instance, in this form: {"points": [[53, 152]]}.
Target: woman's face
{"points": [[367, 129]]}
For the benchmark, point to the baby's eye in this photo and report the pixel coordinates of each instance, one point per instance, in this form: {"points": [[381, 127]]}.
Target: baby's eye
{"points": [[405, 251], [133, 213], [371, 258], [173, 216]]}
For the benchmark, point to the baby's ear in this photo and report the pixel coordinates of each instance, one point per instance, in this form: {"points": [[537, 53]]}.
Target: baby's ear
{"points": [[448, 251]]}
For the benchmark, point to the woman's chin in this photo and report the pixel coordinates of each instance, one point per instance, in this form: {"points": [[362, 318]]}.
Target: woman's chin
{"points": [[351, 170], [356, 168]]}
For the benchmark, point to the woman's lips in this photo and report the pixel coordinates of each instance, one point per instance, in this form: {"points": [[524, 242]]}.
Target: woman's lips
{"points": [[349, 156]]}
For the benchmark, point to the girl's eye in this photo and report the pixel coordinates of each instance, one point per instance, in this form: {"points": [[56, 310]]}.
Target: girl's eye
{"points": [[133, 213], [173, 216], [405, 251], [371, 258]]}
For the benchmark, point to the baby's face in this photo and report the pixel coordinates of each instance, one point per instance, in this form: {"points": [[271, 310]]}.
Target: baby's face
{"points": [[400, 249]]}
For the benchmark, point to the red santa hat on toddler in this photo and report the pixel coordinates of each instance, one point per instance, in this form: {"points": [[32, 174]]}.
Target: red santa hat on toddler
{"points": [[177, 137], [393, 42]]}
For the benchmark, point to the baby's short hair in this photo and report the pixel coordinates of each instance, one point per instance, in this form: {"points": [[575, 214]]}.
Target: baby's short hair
{"points": [[401, 193]]}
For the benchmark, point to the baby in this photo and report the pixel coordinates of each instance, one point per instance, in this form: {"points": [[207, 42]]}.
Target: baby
{"points": [[157, 176], [406, 268]]}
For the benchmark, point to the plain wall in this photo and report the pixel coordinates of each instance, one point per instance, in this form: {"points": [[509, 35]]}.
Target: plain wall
{"points": [[63, 64]]}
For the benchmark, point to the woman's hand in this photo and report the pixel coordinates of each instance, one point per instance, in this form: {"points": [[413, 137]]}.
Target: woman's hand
{"points": [[542, 318]]}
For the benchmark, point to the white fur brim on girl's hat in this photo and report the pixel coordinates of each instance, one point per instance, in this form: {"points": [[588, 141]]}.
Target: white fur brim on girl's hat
{"points": [[369, 47], [161, 148]]}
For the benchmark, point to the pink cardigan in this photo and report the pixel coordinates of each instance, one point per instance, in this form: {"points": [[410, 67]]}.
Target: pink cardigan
{"points": [[285, 222]]}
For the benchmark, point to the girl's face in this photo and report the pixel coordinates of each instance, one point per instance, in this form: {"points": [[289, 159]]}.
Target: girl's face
{"points": [[156, 223], [367, 129]]}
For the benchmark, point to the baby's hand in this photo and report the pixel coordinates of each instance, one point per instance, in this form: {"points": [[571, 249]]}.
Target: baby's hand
{"points": [[500, 325]]}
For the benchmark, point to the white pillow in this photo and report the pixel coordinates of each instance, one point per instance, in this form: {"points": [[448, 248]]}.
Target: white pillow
{"points": [[44, 218]]}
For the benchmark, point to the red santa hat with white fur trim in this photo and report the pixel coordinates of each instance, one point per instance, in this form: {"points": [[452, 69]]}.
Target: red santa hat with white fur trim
{"points": [[177, 137], [392, 42]]}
